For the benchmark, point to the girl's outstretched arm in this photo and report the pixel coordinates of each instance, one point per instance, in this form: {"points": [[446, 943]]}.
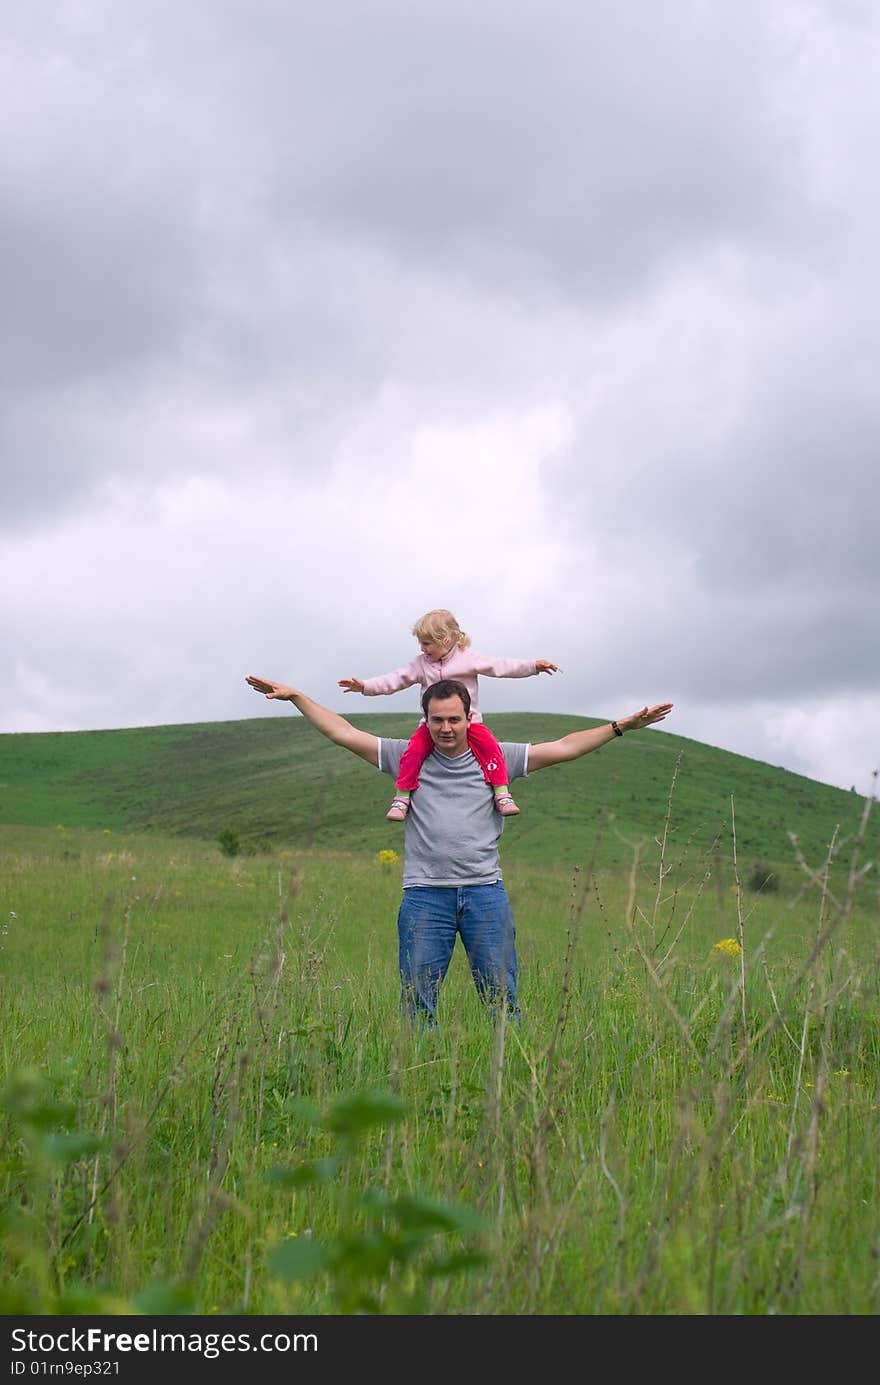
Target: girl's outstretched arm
{"points": [[492, 667], [385, 683]]}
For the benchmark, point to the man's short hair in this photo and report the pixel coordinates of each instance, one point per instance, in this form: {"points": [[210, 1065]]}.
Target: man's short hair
{"points": [[447, 687]]}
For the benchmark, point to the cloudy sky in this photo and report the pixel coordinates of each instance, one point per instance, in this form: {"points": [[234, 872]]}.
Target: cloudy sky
{"points": [[562, 314]]}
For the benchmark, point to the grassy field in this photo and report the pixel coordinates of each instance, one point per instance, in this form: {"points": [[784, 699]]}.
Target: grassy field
{"points": [[277, 781], [210, 1105]]}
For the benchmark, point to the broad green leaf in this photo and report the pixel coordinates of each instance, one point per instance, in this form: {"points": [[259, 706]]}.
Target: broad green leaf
{"points": [[27, 1096], [167, 1298], [65, 1147], [305, 1175], [454, 1264], [420, 1213], [359, 1111], [296, 1257]]}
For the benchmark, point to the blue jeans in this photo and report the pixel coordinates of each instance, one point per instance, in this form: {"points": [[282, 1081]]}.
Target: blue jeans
{"points": [[430, 918]]}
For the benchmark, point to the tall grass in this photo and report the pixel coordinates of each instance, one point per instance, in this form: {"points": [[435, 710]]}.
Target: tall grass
{"points": [[211, 1104]]}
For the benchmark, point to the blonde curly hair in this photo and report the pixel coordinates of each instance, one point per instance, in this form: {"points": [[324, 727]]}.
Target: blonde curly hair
{"points": [[441, 627]]}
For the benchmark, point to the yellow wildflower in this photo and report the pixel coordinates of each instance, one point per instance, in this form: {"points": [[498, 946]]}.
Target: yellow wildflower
{"points": [[387, 858], [729, 946]]}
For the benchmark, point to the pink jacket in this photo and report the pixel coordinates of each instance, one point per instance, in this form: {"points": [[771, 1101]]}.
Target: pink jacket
{"points": [[462, 664]]}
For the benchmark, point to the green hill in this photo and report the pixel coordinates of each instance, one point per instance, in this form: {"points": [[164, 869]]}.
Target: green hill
{"points": [[278, 781]]}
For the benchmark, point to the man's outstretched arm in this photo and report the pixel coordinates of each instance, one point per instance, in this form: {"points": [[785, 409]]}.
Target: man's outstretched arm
{"points": [[330, 724], [578, 743]]}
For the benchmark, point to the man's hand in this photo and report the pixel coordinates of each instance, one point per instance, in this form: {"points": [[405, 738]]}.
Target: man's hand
{"points": [[545, 666], [646, 717], [351, 684], [330, 724], [578, 743], [278, 691]]}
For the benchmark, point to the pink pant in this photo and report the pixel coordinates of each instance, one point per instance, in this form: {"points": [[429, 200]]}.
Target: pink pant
{"points": [[487, 753]]}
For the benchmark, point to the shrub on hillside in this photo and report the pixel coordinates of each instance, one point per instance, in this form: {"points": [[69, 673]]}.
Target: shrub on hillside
{"points": [[229, 841], [257, 846], [762, 879]]}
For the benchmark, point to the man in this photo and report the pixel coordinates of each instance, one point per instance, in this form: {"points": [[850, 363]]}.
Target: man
{"points": [[451, 873]]}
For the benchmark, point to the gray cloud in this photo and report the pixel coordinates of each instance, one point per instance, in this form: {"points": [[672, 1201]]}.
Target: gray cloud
{"points": [[575, 148], [312, 313]]}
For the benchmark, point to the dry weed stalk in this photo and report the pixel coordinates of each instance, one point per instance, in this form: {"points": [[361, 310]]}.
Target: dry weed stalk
{"points": [[544, 1095], [805, 1025], [111, 978], [265, 974], [740, 928], [662, 868], [622, 1201]]}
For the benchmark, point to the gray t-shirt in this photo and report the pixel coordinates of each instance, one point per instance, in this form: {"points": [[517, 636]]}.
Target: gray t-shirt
{"points": [[450, 836]]}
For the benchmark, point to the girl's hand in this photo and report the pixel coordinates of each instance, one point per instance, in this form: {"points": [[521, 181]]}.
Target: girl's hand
{"points": [[545, 666], [351, 684]]}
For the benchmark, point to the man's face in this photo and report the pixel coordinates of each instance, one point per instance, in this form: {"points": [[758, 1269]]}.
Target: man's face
{"points": [[448, 724]]}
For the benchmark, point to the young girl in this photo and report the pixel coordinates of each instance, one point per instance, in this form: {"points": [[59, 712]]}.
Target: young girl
{"points": [[446, 654]]}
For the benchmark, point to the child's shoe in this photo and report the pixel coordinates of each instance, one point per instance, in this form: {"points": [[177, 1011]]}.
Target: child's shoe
{"points": [[505, 805], [399, 809]]}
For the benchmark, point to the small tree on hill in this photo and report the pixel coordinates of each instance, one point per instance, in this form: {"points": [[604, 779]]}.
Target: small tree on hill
{"points": [[229, 840], [762, 879]]}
